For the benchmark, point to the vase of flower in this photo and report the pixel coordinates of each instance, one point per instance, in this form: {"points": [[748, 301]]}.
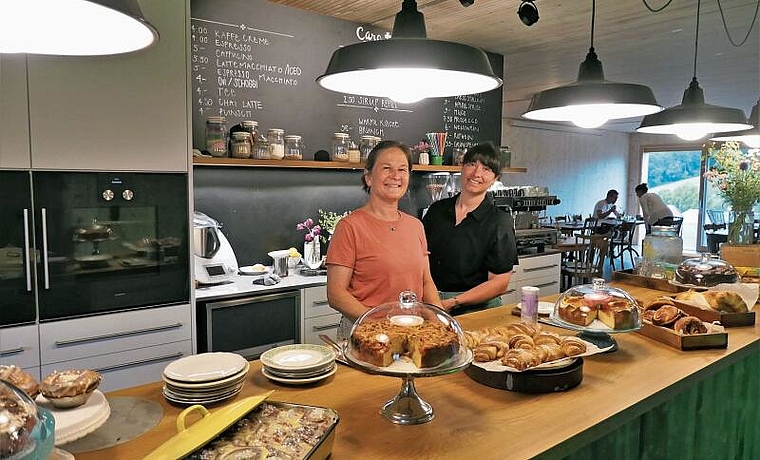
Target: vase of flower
{"points": [[741, 226], [312, 255]]}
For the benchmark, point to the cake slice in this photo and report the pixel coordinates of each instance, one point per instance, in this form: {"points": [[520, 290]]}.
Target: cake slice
{"points": [[617, 314]]}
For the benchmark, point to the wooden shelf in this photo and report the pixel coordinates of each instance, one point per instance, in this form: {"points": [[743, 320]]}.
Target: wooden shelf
{"points": [[307, 164]]}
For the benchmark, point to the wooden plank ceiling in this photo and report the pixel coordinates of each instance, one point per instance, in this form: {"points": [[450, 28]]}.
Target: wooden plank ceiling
{"points": [[634, 44]]}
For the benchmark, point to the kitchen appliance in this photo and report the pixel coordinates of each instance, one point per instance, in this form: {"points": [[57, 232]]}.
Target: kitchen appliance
{"points": [[525, 208], [214, 260]]}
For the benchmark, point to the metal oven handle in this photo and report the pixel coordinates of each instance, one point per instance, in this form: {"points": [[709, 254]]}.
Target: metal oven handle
{"points": [[325, 327], [27, 260], [544, 267], [12, 351], [46, 270], [116, 335], [139, 362]]}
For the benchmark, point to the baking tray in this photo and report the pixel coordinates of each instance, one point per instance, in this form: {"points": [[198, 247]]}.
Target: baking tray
{"points": [[661, 284], [684, 342], [536, 381], [726, 319]]}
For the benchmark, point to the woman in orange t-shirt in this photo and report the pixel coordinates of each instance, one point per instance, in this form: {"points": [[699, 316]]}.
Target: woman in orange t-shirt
{"points": [[378, 251]]}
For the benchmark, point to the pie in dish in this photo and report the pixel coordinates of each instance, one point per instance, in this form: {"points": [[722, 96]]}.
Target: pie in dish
{"points": [[69, 388]]}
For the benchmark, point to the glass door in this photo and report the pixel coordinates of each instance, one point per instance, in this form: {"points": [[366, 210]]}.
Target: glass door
{"points": [[16, 250]]}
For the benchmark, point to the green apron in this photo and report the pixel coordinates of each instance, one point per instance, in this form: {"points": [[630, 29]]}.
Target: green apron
{"points": [[458, 310]]}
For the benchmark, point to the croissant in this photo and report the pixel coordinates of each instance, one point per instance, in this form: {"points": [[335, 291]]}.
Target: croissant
{"points": [[657, 302], [547, 338], [548, 352], [726, 301], [690, 325], [485, 353], [523, 328], [521, 359], [693, 297], [521, 341], [666, 315], [501, 347], [572, 346], [473, 338]]}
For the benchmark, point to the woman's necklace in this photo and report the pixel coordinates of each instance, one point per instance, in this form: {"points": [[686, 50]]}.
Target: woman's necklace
{"points": [[381, 218]]}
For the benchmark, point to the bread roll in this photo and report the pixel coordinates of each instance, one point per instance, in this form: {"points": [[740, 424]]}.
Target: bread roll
{"points": [[690, 325], [694, 298], [666, 315], [657, 302]]}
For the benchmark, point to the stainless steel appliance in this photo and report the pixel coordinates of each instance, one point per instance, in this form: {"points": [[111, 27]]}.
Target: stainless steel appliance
{"points": [[248, 325], [91, 243], [214, 260], [525, 207]]}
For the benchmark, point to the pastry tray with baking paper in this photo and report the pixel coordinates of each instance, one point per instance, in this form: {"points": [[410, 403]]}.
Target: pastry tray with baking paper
{"points": [[496, 366]]}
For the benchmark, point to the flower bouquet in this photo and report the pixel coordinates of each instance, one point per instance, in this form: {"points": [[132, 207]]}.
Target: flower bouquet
{"points": [[312, 255]]}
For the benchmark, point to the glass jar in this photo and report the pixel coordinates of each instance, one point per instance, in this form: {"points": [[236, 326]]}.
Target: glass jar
{"points": [[293, 147], [663, 245], [261, 148], [340, 145], [216, 136], [354, 155], [241, 145], [252, 127], [366, 144], [276, 138]]}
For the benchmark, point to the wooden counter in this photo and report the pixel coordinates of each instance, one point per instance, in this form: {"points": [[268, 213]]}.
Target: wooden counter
{"points": [[475, 421]]}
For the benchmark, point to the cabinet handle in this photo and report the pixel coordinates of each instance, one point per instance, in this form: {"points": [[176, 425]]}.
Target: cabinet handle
{"points": [[11, 351], [535, 269], [319, 303], [27, 261], [139, 362], [546, 284], [325, 327], [116, 335], [45, 249]]}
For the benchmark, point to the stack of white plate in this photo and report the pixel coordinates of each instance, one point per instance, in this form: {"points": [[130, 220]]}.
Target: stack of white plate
{"points": [[298, 364], [204, 378]]}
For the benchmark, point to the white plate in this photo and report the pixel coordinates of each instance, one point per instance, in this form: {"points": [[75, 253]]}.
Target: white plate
{"points": [[300, 375], [257, 269], [203, 396], [299, 357], [205, 367], [77, 422], [201, 393], [231, 380], [298, 381], [544, 308], [205, 401]]}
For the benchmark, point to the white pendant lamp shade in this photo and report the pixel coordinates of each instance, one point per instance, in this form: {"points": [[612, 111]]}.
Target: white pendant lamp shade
{"points": [[73, 27], [591, 101], [750, 137], [693, 119], [409, 67]]}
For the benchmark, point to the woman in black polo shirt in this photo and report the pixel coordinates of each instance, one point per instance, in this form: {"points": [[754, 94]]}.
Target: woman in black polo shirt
{"points": [[471, 241]]}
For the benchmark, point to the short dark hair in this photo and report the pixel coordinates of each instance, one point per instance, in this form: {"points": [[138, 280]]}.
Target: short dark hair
{"points": [[642, 188], [612, 191], [375, 152], [487, 154]]}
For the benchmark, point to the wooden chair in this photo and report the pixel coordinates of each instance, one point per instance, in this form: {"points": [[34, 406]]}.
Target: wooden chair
{"points": [[622, 243], [588, 262]]}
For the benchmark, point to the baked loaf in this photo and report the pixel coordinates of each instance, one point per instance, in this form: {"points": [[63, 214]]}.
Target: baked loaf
{"points": [[68, 383], [21, 379], [428, 344], [17, 420]]}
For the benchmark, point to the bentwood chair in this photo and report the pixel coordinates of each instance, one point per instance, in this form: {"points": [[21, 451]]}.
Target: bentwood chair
{"points": [[588, 262], [622, 243]]}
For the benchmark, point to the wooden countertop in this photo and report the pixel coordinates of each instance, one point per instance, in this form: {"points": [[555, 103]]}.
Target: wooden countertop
{"points": [[475, 421]]}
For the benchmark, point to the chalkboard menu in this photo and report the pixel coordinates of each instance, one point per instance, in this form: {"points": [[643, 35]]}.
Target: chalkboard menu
{"points": [[255, 60]]}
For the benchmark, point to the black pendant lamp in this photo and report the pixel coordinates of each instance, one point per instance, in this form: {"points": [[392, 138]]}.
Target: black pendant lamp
{"points": [[409, 67], [73, 27], [693, 119], [591, 101], [750, 137]]}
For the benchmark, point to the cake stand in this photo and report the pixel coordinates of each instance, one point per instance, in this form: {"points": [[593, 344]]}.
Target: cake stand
{"points": [[407, 408]]}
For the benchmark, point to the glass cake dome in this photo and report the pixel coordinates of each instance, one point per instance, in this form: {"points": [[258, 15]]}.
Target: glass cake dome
{"points": [[407, 336], [26, 431], [705, 271]]}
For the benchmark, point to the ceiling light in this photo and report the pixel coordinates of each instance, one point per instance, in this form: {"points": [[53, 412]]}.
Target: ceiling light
{"points": [[409, 67], [591, 101], [73, 27], [528, 13], [693, 119], [750, 137]]}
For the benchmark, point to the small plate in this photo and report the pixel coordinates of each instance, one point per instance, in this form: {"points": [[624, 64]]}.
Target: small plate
{"points": [[204, 401], [208, 385], [301, 375], [205, 367], [298, 381], [544, 308], [168, 390], [257, 269], [299, 357]]}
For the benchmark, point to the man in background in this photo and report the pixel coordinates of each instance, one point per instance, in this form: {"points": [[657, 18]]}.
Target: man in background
{"points": [[605, 207]]}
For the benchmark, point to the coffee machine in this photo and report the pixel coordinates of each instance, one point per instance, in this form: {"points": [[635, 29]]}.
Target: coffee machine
{"points": [[214, 260], [525, 203]]}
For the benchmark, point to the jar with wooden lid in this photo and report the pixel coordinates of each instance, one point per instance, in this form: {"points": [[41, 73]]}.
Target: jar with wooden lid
{"points": [[276, 138], [293, 147], [241, 144], [340, 144], [216, 136]]}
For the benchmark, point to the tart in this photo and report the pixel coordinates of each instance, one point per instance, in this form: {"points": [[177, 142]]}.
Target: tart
{"points": [[69, 388]]}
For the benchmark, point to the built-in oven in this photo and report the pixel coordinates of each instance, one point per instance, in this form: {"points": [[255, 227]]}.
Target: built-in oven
{"points": [[249, 325], [101, 242]]}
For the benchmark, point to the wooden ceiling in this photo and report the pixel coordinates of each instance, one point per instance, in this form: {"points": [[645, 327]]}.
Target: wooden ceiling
{"points": [[634, 44]]}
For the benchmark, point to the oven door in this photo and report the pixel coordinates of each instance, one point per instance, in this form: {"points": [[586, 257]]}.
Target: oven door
{"points": [[110, 241]]}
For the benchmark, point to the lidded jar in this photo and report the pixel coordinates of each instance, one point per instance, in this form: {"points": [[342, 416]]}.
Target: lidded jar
{"points": [[663, 245], [252, 127], [293, 147], [242, 144], [386, 337], [366, 144], [261, 148], [706, 270], [597, 307], [216, 136], [340, 144], [276, 138]]}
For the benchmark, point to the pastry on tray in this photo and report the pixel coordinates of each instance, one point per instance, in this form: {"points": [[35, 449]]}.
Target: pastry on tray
{"points": [[20, 378], [69, 388]]}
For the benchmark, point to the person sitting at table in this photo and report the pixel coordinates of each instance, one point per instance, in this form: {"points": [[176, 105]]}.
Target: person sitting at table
{"points": [[652, 207], [603, 209], [471, 241]]}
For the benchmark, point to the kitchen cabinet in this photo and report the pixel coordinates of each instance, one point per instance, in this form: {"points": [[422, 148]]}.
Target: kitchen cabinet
{"points": [[124, 112], [317, 315], [20, 346], [14, 111], [128, 348], [542, 271]]}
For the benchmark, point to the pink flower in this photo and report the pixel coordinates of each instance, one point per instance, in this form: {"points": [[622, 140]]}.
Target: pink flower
{"points": [[312, 231]]}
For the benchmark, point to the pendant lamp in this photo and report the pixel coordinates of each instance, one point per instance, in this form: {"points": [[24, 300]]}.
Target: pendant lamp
{"points": [[693, 119], [751, 137], [73, 27], [409, 67], [591, 101]]}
